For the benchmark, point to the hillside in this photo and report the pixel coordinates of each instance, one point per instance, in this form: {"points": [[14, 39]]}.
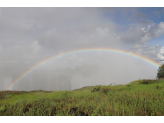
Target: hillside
{"points": [[136, 98]]}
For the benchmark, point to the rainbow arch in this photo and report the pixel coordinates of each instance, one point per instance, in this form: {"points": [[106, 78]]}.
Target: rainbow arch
{"points": [[78, 51]]}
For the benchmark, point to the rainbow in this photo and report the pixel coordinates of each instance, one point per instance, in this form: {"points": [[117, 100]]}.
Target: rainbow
{"points": [[78, 51]]}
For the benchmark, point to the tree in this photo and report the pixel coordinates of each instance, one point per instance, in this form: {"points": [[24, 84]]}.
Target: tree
{"points": [[160, 73]]}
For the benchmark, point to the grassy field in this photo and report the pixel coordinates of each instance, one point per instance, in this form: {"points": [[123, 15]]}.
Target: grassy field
{"points": [[133, 99]]}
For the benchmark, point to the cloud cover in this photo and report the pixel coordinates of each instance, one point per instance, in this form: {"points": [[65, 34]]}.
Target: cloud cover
{"points": [[30, 35]]}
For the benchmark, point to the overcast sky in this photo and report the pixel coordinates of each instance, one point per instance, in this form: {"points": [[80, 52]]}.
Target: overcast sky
{"points": [[30, 35]]}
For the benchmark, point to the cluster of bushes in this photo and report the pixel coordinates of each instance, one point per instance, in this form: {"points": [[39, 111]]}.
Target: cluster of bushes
{"points": [[95, 89], [148, 81]]}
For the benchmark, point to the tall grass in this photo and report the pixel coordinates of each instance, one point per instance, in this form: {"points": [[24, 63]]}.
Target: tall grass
{"points": [[133, 99]]}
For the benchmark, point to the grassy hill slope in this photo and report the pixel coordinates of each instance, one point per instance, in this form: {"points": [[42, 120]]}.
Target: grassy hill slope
{"points": [[133, 99]]}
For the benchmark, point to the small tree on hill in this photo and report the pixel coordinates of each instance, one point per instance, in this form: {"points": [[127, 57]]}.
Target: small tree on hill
{"points": [[160, 73]]}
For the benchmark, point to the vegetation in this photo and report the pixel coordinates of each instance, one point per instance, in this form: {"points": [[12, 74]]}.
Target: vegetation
{"points": [[160, 73], [133, 99]]}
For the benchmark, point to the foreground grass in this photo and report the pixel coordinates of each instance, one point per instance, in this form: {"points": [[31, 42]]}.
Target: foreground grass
{"points": [[133, 99]]}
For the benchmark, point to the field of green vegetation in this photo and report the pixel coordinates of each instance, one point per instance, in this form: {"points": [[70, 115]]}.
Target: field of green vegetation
{"points": [[134, 99]]}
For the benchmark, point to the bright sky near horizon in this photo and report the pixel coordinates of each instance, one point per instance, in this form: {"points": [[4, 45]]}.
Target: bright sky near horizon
{"points": [[31, 35]]}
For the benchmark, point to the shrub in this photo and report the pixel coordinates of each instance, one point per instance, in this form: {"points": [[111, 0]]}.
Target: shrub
{"points": [[160, 73]]}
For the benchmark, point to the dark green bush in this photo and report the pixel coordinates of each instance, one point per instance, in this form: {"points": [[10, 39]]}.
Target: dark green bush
{"points": [[160, 73]]}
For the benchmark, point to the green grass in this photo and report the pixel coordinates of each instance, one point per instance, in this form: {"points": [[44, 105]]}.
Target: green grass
{"points": [[133, 99]]}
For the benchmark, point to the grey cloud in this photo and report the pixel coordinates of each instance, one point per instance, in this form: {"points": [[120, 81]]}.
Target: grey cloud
{"points": [[109, 9], [127, 10], [155, 53], [156, 30], [142, 23], [141, 31], [93, 37], [123, 10], [138, 15], [84, 70], [21, 23], [32, 35], [133, 35]]}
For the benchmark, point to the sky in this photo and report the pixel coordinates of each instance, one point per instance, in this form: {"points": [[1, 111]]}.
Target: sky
{"points": [[31, 35]]}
